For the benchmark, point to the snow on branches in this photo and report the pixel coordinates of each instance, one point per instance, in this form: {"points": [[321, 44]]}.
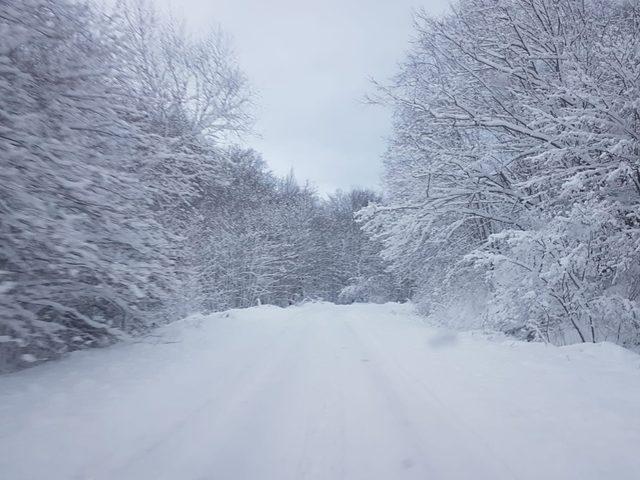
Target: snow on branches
{"points": [[516, 149]]}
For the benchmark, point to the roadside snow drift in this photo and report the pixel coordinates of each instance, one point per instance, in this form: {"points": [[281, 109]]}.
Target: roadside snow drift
{"points": [[323, 392]]}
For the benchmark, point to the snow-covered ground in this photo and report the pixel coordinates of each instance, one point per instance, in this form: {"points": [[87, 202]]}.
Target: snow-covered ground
{"points": [[323, 392]]}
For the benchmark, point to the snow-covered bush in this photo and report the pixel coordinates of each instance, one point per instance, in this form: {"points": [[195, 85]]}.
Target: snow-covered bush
{"points": [[572, 278]]}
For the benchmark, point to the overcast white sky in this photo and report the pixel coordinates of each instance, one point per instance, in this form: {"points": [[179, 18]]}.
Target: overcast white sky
{"points": [[310, 63]]}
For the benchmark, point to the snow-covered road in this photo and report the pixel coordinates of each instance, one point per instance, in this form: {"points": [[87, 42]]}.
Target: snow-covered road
{"points": [[323, 392]]}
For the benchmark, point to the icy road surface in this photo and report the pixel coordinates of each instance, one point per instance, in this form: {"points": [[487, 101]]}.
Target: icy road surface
{"points": [[324, 392]]}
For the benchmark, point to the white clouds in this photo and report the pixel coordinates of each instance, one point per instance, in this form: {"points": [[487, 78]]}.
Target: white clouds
{"points": [[310, 63]]}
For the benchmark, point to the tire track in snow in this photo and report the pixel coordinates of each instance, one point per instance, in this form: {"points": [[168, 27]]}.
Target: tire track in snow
{"points": [[420, 398], [216, 413]]}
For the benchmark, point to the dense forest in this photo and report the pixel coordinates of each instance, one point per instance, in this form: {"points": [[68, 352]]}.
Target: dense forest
{"points": [[513, 174], [129, 196]]}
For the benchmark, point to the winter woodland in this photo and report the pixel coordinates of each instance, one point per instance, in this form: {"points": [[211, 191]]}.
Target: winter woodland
{"points": [[129, 197], [513, 175]]}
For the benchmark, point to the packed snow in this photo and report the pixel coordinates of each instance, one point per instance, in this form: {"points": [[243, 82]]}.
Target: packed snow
{"points": [[320, 391]]}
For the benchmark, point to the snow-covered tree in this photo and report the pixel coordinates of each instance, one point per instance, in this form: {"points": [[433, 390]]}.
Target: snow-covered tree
{"points": [[113, 125], [81, 259], [192, 101], [516, 148], [124, 198], [355, 269]]}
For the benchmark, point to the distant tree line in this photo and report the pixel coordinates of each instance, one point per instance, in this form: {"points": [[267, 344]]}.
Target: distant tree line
{"points": [[126, 197], [513, 176]]}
